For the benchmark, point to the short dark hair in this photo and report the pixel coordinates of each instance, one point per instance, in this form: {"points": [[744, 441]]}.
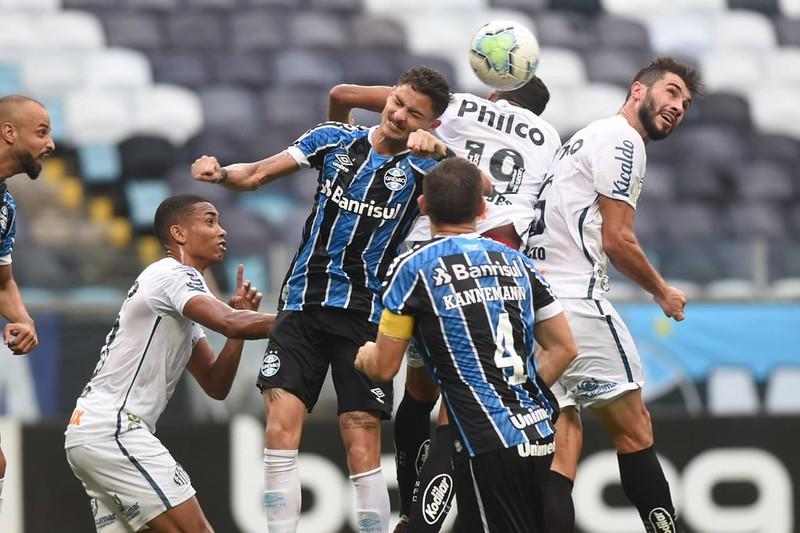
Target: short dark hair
{"points": [[533, 96], [661, 65], [171, 211], [431, 83], [453, 191]]}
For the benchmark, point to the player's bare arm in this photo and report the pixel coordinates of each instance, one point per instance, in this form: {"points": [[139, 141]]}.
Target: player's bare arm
{"points": [[215, 373], [558, 348], [344, 98], [222, 318], [623, 249], [244, 176], [423, 143], [19, 334], [380, 360]]}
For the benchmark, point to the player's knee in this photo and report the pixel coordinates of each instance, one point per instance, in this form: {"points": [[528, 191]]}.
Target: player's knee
{"points": [[280, 435], [363, 457]]}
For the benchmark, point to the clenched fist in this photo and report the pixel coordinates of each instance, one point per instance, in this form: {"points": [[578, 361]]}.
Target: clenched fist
{"points": [[207, 168]]}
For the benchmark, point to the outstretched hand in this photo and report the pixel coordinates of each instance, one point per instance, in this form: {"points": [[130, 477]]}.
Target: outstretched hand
{"points": [[207, 168], [246, 297]]}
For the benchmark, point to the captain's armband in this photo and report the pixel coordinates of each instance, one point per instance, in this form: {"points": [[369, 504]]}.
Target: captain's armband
{"points": [[396, 326]]}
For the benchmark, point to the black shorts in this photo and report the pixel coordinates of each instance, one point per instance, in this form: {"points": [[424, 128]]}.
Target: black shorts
{"points": [[301, 346], [503, 491]]}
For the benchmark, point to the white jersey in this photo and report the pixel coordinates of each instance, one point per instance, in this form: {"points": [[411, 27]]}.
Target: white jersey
{"points": [[512, 145], [144, 356], [605, 158]]}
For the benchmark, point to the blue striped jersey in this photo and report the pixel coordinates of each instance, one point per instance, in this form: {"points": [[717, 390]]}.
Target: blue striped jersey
{"points": [[8, 224], [364, 207], [475, 302]]}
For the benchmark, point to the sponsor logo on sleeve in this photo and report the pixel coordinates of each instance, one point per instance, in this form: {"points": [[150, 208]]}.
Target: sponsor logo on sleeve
{"points": [[624, 154]]}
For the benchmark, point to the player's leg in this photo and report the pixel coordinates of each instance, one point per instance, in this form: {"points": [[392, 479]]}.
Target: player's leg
{"points": [[362, 405], [2, 476], [412, 424], [560, 509], [291, 377], [433, 491], [186, 517], [627, 422]]}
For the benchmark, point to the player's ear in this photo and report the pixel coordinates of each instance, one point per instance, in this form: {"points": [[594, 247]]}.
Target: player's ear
{"points": [[638, 91], [177, 233], [435, 124], [423, 208], [8, 132]]}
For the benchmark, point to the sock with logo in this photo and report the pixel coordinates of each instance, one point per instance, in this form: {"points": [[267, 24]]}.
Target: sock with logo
{"points": [[282, 494], [646, 487], [372, 501], [434, 490], [559, 510], [412, 429]]}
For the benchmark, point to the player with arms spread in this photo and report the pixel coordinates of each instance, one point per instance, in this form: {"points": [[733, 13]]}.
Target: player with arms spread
{"points": [[475, 306], [369, 180], [132, 480], [505, 137], [26, 143], [589, 201]]}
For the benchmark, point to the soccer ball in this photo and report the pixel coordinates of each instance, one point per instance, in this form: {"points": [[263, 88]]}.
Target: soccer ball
{"points": [[504, 54]]}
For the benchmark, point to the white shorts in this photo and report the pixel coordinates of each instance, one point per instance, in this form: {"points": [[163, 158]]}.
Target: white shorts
{"points": [[607, 364], [129, 481]]}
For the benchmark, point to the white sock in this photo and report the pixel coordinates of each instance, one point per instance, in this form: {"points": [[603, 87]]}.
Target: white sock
{"points": [[1, 492], [372, 501], [282, 494]]}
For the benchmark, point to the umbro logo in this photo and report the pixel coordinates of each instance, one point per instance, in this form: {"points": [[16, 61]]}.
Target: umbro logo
{"points": [[342, 162], [379, 394]]}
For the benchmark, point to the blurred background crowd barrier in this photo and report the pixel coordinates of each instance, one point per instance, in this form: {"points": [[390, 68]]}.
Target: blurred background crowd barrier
{"points": [[137, 89]]}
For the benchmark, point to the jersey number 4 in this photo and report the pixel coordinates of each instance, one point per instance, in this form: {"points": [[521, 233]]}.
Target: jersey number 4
{"points": [[505, 355]]}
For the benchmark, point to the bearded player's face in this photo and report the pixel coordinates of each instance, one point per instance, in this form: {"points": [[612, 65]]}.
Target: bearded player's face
{"points": [[664, 106], [33, 142]]}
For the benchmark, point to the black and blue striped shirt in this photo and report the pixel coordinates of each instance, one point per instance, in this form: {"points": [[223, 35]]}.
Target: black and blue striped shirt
{"points": [[475, 302], [364, 207]]}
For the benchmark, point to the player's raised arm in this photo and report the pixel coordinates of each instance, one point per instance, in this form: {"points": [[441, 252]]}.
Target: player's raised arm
{"points": [[244, 176], [623, 249], [215, 373], [343, 98]]}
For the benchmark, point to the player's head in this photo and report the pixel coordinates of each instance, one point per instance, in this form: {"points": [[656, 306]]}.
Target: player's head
{"points": [[417, 100], [661, 93], [533, 96], [25, 133], [188, 225], [452, 192]]}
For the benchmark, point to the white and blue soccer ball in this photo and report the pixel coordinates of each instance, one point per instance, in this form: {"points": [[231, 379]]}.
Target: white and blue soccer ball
{"points": [[504, 54]]}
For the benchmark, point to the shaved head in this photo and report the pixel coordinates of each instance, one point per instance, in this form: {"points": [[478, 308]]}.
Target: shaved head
{"points": [[11, 106]]}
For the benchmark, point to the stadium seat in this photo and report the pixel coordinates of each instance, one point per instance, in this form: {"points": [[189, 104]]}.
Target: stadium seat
{"points": [[152, 5], [94, 116], [33, 5], [117, 68], [373, 32], [741, 259], [282, 4], [768, 7], [443, 65], [743, 30], [126, 29], [321, 30], [563, 30], [732, 70], [531, 6], [687, 259], [99, 163], [621, 33], [143, 197], [286, 105], [144, 156], [779, 148], [371, 67], [731, 289], [732, 391], [179, 179], [685, 34], [720, 146], [308, 68], [788, 31], [592, 102], [691, 221], [781, 65], [790, 8], [10, 79], [18, 31], [167, 111], [94, 294], [270, 206], [231, 109], [781, 394], [345, 7], [561, 67], [251, 69], [750, 220], [69, 30], [774, 109], [247, 233], [785, 289], [90, 5], [52, 73], [655, 9], [585, 6], [258, 29], [723, 108], [659, 183], [187, 68], [763, 179], [614, 66], [211, 4], [195, 31]]}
